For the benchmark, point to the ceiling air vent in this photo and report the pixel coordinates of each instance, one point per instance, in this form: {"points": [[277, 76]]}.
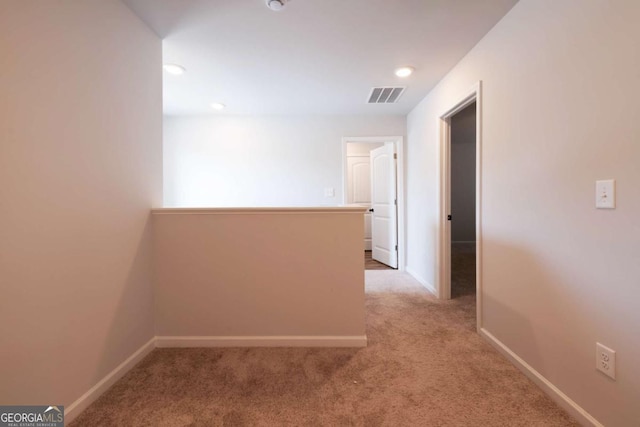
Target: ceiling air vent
{"points": [[385, 95]]}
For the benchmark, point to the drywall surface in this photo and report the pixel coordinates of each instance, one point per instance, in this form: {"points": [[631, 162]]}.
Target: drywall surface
{"points": [[463, 175], [361, 149], [259, 273], [80, 167], [559, 113], [261, 160]]}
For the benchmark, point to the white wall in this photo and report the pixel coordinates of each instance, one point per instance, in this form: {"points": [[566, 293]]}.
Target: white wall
{"points": [[361, 149], [463, 175], [261, 161], [559, 79], [80, 167]]}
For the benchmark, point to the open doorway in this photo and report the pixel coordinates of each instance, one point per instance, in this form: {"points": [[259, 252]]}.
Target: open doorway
{"points": [[463, 202], [459, 250], [372, 178]]}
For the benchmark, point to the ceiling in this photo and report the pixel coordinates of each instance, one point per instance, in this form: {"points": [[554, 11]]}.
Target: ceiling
{"points": [[313, 57]]}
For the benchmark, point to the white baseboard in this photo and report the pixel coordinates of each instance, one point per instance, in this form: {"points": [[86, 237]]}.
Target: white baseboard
{"points": [[262, 341], [583, 417], [73, 410], [423, 282]]}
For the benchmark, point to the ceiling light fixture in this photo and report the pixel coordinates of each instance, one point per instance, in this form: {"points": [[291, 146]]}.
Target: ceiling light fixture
{"points": [[276, 5], [404, 71], [218, 106], [174, 69]]}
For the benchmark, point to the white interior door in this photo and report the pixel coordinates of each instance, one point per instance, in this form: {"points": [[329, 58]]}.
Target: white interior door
{"points": [[384, 232], [359, 190]]}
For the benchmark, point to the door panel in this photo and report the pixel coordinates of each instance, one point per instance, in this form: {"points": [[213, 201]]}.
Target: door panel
{"points": [[383, 195], [361, 182], [367, 231], [359, 190]]}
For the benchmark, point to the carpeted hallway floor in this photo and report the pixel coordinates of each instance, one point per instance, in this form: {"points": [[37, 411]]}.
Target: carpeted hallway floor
{"points": [[424, 366]]}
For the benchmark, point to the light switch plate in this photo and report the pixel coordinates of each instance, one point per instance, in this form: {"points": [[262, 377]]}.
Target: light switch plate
{"points": [[606, 194]]}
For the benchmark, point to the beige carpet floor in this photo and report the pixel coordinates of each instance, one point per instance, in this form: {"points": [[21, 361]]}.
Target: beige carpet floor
{"points": [[424, 366]]}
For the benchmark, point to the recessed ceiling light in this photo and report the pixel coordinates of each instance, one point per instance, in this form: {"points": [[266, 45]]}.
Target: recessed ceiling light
{"points": [[404, 71], [174, 69], [218, 106]]}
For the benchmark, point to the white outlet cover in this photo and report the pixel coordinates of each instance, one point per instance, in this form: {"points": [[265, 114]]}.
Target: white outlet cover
{"points": [[606, 194], [606, 360]]}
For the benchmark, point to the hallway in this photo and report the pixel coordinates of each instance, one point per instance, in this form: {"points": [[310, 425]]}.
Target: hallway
{"points": [[424, 365]]}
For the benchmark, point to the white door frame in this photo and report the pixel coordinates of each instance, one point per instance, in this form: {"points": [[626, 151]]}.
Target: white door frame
{"points": [[443, 256], [399, 145]]}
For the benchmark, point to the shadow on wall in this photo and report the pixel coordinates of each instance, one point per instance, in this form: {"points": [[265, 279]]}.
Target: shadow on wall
{"points": [[512, 273], [165, 23], [132, 318]]}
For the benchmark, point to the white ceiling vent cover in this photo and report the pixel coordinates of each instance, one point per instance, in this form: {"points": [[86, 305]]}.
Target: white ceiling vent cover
{"points": [[385, 95]]}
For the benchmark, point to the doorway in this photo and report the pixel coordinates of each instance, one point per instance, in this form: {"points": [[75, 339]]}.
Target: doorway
{"points": [[463, 202], [372, 178], [459, 251]]}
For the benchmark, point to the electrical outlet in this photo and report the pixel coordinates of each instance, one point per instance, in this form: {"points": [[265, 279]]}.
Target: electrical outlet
{"points": [[606, 360]]}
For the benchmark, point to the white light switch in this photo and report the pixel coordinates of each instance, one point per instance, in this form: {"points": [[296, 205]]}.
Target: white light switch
{"points": [[606, 194], [329, 192]]}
